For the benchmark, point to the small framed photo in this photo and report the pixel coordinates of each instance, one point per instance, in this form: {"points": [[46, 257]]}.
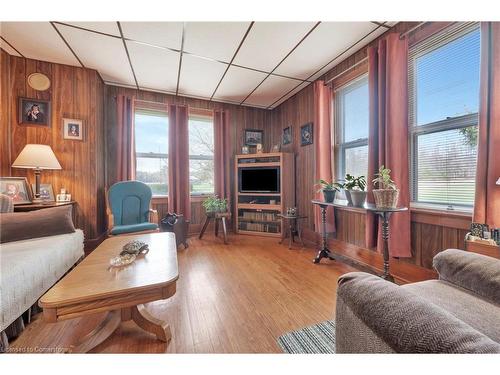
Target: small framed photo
{"points": [[287, 135], [16, 188], [72, 129], [35, 112], [254, 137], [245, 150], [306, 134], [46, 192], [63, 198]]}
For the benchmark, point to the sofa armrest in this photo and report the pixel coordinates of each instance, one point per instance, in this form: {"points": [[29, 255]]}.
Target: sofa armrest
{"points": [[403, 321], [475, 272]]}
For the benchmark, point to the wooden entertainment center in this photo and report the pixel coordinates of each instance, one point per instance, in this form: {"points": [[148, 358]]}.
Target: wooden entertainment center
{"points": [[257, 211]]}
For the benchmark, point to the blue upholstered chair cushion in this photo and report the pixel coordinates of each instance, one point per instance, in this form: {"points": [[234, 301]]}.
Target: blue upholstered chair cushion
{"points": [[129, 203]]}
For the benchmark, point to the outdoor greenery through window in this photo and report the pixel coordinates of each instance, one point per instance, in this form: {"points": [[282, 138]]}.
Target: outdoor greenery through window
{"points": [[351, 119], [443, 116], [201, 155], [151, 149]]}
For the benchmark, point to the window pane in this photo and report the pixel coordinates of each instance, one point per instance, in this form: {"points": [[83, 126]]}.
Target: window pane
{"points": [[201, 154], [356, 161], [151, 145], [355, 111], [446, 166], [447, 80]]}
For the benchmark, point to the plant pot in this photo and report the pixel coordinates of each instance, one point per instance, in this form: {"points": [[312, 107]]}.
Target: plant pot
{"points": [[347, 194], [329, 195], [358, 198], [386, 198]]}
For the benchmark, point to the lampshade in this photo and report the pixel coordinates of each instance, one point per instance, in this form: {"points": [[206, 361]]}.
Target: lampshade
{"points": [[37, 156], [498, 181]]}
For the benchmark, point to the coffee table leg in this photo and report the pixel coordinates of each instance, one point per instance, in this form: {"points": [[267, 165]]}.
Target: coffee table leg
{"points": [[99, 334], [149, 323]]}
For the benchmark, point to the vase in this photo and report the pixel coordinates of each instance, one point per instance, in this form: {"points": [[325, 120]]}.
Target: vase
{"points": [[347, 194], [386, 198], [329, 195], [358, 198]]}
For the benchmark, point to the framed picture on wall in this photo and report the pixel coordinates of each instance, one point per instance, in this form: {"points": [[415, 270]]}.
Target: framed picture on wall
{"points": [[16, 188], [46, 192], [287, 135], [253, 137], [73, 129], [35, 112], [306, 134]]}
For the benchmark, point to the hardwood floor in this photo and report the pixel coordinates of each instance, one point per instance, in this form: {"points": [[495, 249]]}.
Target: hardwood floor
{"points": [[236, 298]]}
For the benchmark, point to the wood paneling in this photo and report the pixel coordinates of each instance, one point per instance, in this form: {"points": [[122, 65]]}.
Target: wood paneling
{"points": [[240, 118], [74, 93]]}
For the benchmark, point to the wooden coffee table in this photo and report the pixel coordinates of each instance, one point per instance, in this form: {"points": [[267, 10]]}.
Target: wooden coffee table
{"points": [[95, 287]]}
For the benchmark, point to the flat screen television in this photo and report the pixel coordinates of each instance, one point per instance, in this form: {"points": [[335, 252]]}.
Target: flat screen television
{"points": [[259, 180]]}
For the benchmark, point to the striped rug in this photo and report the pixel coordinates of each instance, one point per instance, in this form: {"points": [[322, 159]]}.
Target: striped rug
{"points": [[316, 339]]}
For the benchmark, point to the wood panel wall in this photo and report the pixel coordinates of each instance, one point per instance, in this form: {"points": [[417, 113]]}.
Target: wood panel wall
{"points": [[74, 93], [241, 118]]}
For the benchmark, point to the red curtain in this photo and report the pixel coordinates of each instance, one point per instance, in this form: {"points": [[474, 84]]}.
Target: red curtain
{"points": [[388, 136], [323, 147], [179, 200], [487, 200], [222, 154], [125, 144]]}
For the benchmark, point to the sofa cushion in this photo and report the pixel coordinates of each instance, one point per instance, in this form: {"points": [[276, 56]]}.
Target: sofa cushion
{"points": [[475, 272], [131, 228], [41, 223], [478, 312]]}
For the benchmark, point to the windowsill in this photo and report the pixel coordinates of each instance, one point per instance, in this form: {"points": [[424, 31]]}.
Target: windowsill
{"points": [[193, 196], [438, 209]]}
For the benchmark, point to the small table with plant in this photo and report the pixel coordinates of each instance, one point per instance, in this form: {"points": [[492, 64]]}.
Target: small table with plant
{"points": [[217, 209]]}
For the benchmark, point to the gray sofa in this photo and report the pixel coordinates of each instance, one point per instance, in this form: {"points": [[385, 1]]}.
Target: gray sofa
{"points": [[459, 313]]}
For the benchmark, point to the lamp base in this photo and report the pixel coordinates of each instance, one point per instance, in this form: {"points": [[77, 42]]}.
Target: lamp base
{"points": [[37, 200]]}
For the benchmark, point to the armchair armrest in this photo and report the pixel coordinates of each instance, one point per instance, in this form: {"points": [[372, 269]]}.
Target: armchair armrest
{"points": [[153, 216], [475, 272], [400, 320]]}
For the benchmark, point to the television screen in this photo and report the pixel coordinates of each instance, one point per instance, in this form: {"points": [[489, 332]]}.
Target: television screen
{"points": [[259, 180]]}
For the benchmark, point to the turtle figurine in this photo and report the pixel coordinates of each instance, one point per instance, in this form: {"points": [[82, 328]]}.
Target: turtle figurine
{"points": [[135, 248]]}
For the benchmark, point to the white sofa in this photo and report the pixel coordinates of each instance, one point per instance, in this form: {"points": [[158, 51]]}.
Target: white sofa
{"points": [[29, 268]]}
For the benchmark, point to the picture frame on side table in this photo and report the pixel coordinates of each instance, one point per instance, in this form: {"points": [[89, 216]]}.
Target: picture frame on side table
{"points": [[34, 112], [73, 129], [46, 192], [16, 188]]}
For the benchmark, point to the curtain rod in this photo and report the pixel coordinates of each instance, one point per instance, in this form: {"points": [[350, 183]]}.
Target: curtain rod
{"points": [[403, 35], [346, 70]]}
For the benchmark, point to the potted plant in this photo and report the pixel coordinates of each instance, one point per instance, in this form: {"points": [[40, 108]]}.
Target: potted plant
{"points": [[329, 189], [355, 190], [213, 205], [386, 196]]}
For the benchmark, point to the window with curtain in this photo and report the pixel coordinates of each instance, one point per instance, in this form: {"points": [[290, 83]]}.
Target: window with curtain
{"points": [[201, 154], [443, 116], [351, 122], [151, 149]]}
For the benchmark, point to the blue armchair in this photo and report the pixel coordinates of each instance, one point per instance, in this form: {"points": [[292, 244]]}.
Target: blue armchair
{"points": [[129, 208]]}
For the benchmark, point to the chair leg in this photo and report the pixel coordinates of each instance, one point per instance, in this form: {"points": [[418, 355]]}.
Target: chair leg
{"points": [[224, 229], [207, 220]]}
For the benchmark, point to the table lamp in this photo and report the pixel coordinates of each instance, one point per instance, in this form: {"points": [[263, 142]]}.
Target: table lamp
{"points": [[37, 157], [498, 181]]}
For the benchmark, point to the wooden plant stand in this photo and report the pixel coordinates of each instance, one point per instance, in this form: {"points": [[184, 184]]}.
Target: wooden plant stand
{"points": [[219, 217]]}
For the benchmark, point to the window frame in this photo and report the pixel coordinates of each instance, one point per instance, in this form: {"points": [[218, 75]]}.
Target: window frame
{"points": [[196, 114], [339, 123], [422, 48]]}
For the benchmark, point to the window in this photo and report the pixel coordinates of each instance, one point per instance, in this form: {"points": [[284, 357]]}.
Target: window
{"points": [[201, 154], [351, 119], [443, 116], [151, 149]]}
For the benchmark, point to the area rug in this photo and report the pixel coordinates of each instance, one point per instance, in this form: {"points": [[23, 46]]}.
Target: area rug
{"points": [[316, 339]]}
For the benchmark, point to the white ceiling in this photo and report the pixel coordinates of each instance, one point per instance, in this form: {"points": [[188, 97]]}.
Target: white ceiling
{"points": [[259, 64]]}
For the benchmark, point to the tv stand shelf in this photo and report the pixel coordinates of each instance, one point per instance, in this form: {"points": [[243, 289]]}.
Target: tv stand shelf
{"points": [[261, 218]]}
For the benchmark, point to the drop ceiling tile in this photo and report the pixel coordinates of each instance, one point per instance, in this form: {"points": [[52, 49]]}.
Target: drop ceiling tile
{"points": [[199, 77], [238, 83], [216, 40], [104, 53], [271, 90], [38, 40], [326, 42], [163, 34], [292, 93], [102, 27], [154, 67], [268, 42], [8, 48]]}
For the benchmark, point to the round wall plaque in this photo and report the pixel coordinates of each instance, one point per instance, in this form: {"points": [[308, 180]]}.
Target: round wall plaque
{"points": [[39, 81]]}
